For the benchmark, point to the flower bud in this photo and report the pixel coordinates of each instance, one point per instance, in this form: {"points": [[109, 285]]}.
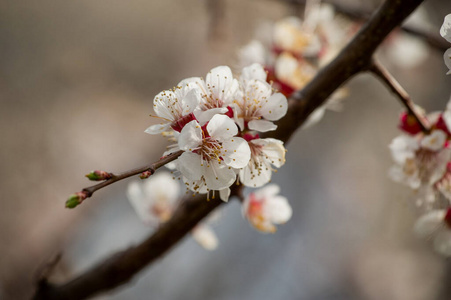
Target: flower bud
{"points": [[98, 175], [409, 124], [145, 174], [76, 199]]}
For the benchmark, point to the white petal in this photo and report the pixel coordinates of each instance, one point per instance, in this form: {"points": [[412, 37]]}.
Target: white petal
{"points": [[280, 209], [314, 117], [140, 203], [190, 136], [238, 152], [205, 116], [205, 237], [442, 242], [403, 147], [261, 125], [163, 104], [273, 150], [275, 108], [447, 60], [445, 30], [219, 80], [429, 223], [268, 191], [221, 127], [163, 187], [434, 141], [158, 128], [224, 194], [254, 52], [190, 165], [252, 72], [219, 176], [253, 177]]}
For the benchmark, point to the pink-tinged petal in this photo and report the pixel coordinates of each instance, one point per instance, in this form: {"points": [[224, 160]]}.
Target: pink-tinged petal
{"points": [[445, 30], [158, 128], [221, 127], [205, 237], [237, 152], [279, 209], [163, 105], [205, 116], [190, 166], [442, 242], [190, 137], [275, 108], [218, 176], [252, 72], [255, 176], [261, 125], [273, 150], [429, 223], [224, 194]]}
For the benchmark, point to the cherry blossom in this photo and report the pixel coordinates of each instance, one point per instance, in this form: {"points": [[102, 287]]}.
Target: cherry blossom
{"points": [[265, 153], [264, 209], [155, 200], [175, 107], [256, 106], [436, 225], [212, 152]]}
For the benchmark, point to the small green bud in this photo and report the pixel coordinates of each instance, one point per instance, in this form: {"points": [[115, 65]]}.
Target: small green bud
{"points": [[75, 199], [98, 175]]}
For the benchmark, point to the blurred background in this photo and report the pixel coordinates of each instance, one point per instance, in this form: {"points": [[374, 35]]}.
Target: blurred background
{"points": [[77, 80]]}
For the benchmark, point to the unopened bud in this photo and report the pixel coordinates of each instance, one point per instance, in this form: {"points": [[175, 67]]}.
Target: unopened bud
{"points": [[75, 199], [409, 123], [98, 175], [145, 174]]}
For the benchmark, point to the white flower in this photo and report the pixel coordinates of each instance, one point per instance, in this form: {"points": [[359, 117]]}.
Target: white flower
{"points": [[264, 208], [211, 155], [253, 52], [436, 224], [175, 107], [255, 105], [265, 153], [403, 147], [445, 32], [217, 92], [154, 200]]}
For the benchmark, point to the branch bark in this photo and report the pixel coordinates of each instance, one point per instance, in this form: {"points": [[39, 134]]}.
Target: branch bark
{"points": [[382, 73], [120, 268]]}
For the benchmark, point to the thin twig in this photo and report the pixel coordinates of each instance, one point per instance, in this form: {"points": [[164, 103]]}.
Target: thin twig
{"points": [[356, 57], [89, 191], [382, 73]]}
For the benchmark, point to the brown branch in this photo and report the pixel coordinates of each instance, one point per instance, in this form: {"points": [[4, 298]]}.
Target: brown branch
{"points": [[382, 73], [89, 191], [356, 57]]}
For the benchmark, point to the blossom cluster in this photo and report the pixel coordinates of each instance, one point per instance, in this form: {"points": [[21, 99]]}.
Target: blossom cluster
{"points": [[217, 122], [423, 162], [293, 51]]}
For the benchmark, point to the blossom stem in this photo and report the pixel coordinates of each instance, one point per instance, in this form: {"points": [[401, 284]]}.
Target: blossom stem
{"points": [[382, 73]]}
